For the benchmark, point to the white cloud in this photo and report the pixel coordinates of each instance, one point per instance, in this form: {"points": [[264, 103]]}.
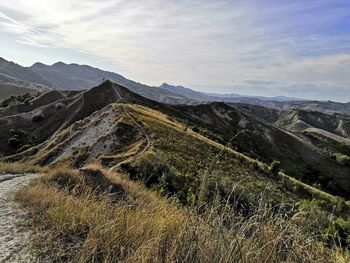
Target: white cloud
{"points": [[204, 43]]}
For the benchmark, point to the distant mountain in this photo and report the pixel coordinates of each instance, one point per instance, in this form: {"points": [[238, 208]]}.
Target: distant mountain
{"points": [[231, 97], [186, 92], [14, 72], [301, 120], [278, 102], [329, 107], [77, 77], [17, 80]]}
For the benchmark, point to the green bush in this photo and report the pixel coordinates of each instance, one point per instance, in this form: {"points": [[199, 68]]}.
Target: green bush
{"points": [[275, 167], [150, 168], [341, 158]]}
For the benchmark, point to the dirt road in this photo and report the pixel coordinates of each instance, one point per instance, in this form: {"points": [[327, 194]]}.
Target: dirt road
{"points": [[14, 235]]}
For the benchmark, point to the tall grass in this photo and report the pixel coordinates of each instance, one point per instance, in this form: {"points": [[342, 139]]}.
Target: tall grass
{"points": [[16, 168], [87, 221]]}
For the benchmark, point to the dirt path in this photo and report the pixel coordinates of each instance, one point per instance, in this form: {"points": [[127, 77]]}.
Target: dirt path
{"points": [[137, 124], [14, 235]]}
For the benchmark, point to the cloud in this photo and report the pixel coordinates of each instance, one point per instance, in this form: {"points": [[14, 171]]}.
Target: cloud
{"points": [[231, 44]]}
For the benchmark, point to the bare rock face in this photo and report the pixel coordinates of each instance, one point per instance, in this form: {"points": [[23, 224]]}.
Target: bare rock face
{"points": [[72, 108]]}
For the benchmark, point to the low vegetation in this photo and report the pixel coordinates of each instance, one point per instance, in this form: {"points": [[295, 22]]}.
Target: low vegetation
{"points": [[18, 168], [341, 158], [19, 140], [37, 117], [13, 100], [95, 216]]}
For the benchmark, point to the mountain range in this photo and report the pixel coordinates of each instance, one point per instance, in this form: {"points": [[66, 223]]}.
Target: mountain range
{"points": [[63, 76]]}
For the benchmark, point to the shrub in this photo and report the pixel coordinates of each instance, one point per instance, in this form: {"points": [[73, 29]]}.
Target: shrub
{"points": [[342, 159], [275, 167], [37, 117], [195, 129], [59, 106], [150, 168], [13, 100], [14, 143]]}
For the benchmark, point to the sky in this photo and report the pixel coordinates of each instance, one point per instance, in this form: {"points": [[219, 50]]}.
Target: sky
{"points": [[297, 48]]}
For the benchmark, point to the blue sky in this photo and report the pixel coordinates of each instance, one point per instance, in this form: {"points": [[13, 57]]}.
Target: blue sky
{"points": [[268, 48]]}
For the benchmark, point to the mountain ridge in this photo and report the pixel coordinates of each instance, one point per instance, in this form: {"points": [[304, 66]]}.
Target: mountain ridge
{"points": [[76, 77]]}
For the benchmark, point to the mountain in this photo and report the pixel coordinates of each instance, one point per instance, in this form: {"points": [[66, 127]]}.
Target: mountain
{"points": [[186, 92], [205, 96], [301, 120], [10, 72], [328, 107], [77, 77], [16, 80]]}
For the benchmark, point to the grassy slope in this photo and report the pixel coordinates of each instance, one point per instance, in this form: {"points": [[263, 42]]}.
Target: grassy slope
{"points": [[8, 90], [193, 155], [19, 168], [82, 223]]}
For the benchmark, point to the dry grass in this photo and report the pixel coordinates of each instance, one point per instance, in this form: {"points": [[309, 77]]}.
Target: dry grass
{"points": [[17, 168], [93, 216]]}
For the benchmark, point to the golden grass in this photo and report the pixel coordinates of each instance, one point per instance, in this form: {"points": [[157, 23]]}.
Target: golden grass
{"points": [[20, 167], [84, 224]]}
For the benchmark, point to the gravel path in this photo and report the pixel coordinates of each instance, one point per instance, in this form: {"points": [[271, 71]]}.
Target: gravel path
{"points": [[14, 235]]}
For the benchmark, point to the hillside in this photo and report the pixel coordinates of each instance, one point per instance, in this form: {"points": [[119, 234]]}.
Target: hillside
{"points": [[111, 137], [301, 120], [8, 90], [56, 111], [327, 134], [266, 142], [50, 113]]}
